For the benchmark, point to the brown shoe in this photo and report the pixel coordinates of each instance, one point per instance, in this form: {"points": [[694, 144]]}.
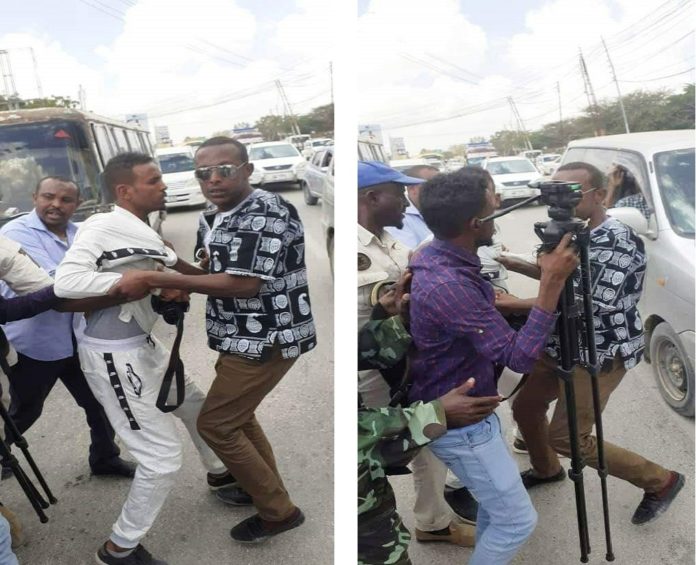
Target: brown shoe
{"points": [[463, 535], [19, 538]]}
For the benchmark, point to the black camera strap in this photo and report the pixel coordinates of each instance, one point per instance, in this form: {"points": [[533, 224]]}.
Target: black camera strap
{"points": [[175, 369]]}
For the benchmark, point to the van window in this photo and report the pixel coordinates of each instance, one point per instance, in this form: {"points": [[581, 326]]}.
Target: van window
{"points": [[176, 163], [675, 177], [605, 159]]}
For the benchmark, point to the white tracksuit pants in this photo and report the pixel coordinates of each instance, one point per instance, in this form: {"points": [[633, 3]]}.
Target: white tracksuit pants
{"points": [[125, 376]]}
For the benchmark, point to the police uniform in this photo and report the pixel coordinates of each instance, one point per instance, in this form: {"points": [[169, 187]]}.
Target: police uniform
{"points": [[383, 259]]}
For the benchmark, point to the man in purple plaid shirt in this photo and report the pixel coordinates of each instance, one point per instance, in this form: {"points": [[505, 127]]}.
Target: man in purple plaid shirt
{"points": [[458, 333]]}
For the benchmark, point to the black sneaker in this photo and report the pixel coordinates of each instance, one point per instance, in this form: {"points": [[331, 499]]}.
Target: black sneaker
{"points": [[519, 446], [114, 467], [216, 482], [140, 556], [654, 504], [530, 480], [256, 530], [463, 504], [234, 496]]}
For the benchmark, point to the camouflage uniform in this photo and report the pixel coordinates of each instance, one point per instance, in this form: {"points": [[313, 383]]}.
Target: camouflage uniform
{"points": [[387, 437]]}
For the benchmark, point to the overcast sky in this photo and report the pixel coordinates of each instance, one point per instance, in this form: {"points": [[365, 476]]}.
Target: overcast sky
{"points": [[202, 66], [424, 62], [175, 60]]}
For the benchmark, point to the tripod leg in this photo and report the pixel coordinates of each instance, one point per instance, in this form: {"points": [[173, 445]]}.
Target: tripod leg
{"points": [[21, 442], [586, 286], [568, 336], [36, 500]]}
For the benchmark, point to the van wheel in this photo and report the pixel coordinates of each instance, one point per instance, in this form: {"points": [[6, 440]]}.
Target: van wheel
{"points": [[309, 199], [672, 369]]}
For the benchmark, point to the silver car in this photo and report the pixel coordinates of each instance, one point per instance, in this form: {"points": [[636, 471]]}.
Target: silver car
{"points": [[662, 163], [315, 173]]}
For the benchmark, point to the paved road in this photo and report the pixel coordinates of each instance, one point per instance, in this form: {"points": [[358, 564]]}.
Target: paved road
{"points": [[193, 527], [636, 418]]}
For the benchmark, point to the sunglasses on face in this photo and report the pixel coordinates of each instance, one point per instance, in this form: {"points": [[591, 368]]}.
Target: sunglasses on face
{"points": [[225, 171]]}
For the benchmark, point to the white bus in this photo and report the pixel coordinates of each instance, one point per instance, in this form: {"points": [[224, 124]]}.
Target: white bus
{"points": [[62, 142]]}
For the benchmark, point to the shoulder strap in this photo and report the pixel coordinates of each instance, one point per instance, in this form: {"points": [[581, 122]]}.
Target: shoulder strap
{"points": [[174, 369]]}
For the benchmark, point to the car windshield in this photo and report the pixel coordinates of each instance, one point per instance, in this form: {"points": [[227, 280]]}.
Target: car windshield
{"points": [[29, 152], [272, 152], [322, 143], [675, 177], [510, 167], [176, 163]]}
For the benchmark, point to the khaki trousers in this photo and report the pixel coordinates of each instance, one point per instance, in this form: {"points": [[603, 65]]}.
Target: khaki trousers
{"points": [[545, 440], [228, 425]]}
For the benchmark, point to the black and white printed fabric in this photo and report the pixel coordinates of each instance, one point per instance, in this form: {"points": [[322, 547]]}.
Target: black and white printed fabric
{"points": [[617, 262], [264, 238]]}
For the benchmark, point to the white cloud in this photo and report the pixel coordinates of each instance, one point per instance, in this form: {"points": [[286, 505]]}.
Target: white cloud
{"points": [[172, 57], [396, 91]]}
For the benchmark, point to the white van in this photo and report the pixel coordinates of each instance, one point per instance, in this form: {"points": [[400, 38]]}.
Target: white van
{"points": [[177, 166], [662, 163]]}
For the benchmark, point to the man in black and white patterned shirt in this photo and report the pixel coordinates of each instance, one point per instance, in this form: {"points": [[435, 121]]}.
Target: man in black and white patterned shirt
{"points": [[617, 263], [258, 317]]}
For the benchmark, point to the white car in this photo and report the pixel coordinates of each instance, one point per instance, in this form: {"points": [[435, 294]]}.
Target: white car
{"points": [[511, 176], [276, 162], [317, 169], [311, 146], [402, 165], [548, 163], [177, 166]]}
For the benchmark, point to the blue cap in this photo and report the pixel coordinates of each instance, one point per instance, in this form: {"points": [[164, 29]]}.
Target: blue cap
{"points": [[371, 173]]}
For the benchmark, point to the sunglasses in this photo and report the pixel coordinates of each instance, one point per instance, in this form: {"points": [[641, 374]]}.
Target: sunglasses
{"points": [[225, 171]]}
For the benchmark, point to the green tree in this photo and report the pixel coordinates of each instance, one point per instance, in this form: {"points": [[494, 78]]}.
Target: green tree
{"points": [[48, 102]]}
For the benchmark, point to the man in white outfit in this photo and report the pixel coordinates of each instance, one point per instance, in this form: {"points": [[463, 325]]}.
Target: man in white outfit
{"points": [[125, 364]]}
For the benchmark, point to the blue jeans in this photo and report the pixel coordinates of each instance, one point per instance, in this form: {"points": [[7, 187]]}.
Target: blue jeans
{"points": [[478, 456], [7, 557]]}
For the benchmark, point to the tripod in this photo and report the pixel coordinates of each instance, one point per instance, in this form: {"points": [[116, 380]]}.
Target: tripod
{"points": [[31, 492], [576, 327]]}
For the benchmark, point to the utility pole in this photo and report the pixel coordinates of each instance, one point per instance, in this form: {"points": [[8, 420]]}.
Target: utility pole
{"points": [[520, 124], [288, 109], [36, 73], [331, 76], [616, 82], [589, 91], [560, 112], [8, 81], [82, 97]]}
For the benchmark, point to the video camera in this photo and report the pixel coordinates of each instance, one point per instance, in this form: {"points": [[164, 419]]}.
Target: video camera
{"points": [[170, 310]]}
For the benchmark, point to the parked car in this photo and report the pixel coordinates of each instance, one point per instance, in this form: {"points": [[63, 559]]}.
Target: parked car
{"points": [[311, 146], [402, 165], [276, 162], [177, 166], [511, 176], [327, 213], [662, 163], [548, 163], [315, 174]]}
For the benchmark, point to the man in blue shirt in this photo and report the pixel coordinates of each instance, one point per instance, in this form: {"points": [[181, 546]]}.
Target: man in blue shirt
{"points": [[45, 344], [414, 230]]}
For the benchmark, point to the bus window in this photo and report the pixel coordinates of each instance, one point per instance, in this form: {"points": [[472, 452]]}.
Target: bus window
{"points": [[31, 151], [119, 139], [133, 140], [104, 145]]}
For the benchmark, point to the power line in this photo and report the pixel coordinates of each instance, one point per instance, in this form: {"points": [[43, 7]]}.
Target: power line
{"points": [[661, 78]]}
